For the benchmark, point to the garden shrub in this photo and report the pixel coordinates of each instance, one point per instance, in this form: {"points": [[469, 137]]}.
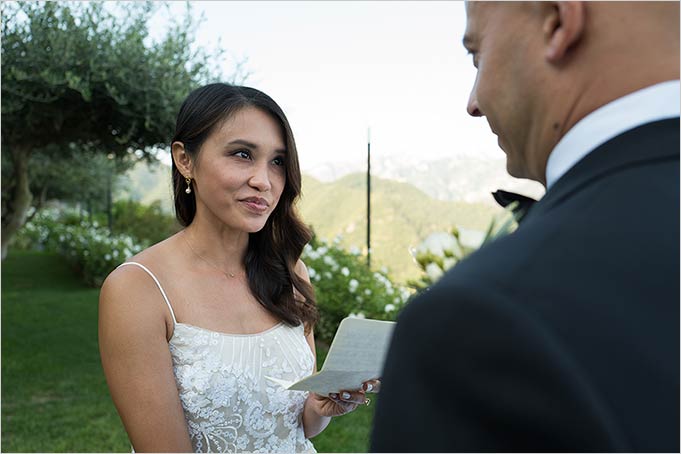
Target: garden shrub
{"points": [[345, 286], [148, 224]]}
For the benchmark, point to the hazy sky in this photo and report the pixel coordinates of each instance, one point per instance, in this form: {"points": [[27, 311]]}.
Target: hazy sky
{"points": [[337, 68]]}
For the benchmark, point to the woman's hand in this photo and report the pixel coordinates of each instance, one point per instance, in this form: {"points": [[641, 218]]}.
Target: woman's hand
{"points": [[337, 404], [372, 386]]}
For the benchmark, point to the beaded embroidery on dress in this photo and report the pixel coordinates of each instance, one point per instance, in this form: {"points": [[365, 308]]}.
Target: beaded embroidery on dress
{"points": [[229, 404]]}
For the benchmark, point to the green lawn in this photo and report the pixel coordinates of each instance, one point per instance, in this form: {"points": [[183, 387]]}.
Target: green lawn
{"points": [[54, 396]]}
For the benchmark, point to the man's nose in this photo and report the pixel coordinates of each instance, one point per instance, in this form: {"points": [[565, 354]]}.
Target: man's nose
{"points": [[472, 108]]}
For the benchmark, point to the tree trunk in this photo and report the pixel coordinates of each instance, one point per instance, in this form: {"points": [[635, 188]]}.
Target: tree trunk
{"points": [[41, 201], [20, 200]]}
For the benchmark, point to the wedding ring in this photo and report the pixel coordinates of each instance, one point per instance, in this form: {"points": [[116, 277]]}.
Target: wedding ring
{"points": [[367, 401]]}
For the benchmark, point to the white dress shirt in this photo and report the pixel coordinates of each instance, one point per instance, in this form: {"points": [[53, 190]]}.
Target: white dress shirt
{"points": [[657, 102]]}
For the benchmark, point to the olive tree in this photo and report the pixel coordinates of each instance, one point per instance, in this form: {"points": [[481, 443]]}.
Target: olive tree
{"points": [[85, 75]]}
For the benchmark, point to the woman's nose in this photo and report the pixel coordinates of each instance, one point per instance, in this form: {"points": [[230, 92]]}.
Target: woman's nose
{"points": [[261, 178]]}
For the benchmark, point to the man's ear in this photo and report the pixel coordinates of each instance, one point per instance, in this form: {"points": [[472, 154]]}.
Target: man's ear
{"points": [[183, 161], [563, 28]]}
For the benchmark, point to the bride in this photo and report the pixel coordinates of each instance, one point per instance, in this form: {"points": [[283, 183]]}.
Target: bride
{"points": [[191, 328]]}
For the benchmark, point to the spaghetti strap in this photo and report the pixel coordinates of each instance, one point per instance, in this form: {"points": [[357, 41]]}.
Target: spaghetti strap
{"points": [[172, 313]]}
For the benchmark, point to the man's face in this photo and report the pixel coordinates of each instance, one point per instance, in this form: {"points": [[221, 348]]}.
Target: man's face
{"points": [[499, 36]]}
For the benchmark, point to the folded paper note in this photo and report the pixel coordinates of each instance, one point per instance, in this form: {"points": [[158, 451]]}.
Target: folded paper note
{"points": [[356, 355]]}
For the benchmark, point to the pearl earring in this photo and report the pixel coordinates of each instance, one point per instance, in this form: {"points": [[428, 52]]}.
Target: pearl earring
{"points": [[189, 185]]}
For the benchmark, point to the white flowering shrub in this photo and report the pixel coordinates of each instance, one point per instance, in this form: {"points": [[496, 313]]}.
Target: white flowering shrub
{"points": [[442, 250], [89, 247], [345, 286]]}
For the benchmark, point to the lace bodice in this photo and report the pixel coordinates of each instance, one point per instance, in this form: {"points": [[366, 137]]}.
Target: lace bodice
{"points": [[229, 402]]}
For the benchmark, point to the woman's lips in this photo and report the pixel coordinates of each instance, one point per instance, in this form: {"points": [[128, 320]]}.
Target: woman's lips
{"points": [[256, 205]]}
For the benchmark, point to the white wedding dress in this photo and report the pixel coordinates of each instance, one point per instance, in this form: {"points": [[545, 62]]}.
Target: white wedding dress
{"points": [[229, 403]]}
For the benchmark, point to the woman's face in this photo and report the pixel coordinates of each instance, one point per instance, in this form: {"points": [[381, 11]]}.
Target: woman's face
{"points": [[240, 171]]}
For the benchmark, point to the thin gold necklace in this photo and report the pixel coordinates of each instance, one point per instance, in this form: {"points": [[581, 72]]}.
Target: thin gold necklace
{"points": [[226, 273]]}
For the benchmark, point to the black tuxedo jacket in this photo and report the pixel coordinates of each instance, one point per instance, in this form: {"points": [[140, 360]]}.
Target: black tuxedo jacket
{"points": [[563, 336]]}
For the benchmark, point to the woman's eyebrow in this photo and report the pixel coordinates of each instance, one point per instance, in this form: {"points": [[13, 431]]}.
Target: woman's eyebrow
{"points": [[248, 144], [243, 142]]}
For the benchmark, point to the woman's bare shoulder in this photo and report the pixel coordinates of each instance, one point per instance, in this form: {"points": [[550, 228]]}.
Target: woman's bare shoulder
{"points": [[162, 252], [130, 292], [133, 277]]}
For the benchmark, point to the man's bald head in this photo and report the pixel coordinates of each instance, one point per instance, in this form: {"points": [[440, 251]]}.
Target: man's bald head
{"points": [[543, 66]]}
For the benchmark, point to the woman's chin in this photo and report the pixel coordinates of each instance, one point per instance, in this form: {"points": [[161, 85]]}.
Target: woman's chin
{"points": [[254, 227]]}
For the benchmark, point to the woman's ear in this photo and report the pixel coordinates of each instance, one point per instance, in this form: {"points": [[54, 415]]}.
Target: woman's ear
{"points": [[563, 28], [182, 160]]}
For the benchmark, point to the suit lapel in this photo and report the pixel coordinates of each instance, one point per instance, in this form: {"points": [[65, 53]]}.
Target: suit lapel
{"points": [[657, 141]]}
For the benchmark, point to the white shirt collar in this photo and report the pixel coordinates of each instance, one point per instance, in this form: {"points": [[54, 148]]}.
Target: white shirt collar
{"points": [[657, 102]]}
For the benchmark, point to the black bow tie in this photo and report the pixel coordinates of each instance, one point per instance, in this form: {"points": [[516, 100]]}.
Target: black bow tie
{"points": [[505, 198]]}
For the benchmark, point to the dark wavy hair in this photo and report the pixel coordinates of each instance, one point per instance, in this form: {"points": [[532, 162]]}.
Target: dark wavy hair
{"points": [[272, 252]]}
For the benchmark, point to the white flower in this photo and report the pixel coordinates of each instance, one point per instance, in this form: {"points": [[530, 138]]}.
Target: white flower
{"points": [[389, 307], [354, 250], [352, 285], [449, 262], [357, 315], [367, 292], [310, 252], [433, 271], [345, 271], [107, 257], [471, 239], [439, 242], [311, 271]]}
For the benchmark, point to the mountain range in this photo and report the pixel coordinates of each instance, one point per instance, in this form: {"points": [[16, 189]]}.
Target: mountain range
{"points": [[401, 217], [402, 214], [465, 178]]}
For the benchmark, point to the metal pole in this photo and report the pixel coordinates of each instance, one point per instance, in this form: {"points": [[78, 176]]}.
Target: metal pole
{"points": [[109, 189], [369, 197], [109, 215]]}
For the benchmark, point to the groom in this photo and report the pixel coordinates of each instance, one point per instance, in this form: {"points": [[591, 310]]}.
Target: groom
{"points": [[563, 336]]}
